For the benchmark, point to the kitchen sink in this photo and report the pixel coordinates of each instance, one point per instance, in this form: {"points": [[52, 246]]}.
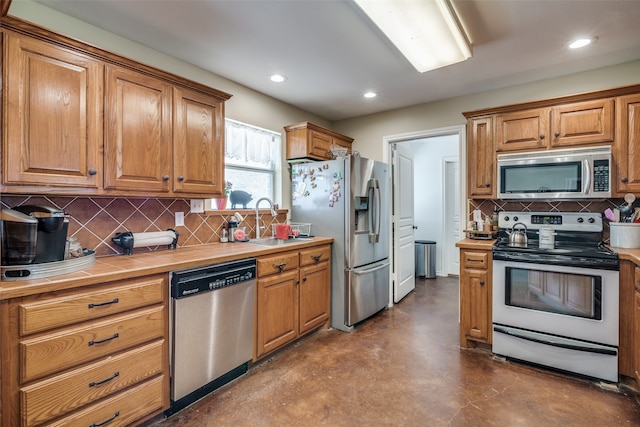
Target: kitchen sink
{"points": [[272, 241]]}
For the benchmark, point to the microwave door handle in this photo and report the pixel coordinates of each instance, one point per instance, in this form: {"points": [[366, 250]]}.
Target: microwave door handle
{"points": [[587, 181]]}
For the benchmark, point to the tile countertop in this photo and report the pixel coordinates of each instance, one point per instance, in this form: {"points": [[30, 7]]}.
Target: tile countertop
{"points": [[467, 243], [632, 255], [120, 267]]}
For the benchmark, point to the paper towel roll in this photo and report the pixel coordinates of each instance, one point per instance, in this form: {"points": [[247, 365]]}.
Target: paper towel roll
{"points": [[153, 238]]}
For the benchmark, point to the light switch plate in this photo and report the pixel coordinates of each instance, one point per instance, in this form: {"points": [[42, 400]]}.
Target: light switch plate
{"points": [[197, 206], [179, 219]]}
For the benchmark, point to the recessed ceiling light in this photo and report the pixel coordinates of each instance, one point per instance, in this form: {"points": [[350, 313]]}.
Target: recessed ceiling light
{"points": [[578, 43], [278, 78], [370, 95]]}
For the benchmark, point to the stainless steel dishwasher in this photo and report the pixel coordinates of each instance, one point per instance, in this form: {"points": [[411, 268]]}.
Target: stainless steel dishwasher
{"points": [[211, 320]]}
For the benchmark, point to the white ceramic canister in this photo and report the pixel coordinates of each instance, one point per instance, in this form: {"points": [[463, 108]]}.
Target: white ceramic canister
{"points": [[547, 239]]}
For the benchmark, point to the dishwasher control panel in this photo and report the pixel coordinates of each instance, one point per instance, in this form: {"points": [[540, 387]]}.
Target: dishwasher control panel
{"points": [[194, 281]]}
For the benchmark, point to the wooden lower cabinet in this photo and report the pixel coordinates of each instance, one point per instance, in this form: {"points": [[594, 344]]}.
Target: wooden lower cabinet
{"points": [[636, 341], [475, 297], [293, 296], [89, 356]]}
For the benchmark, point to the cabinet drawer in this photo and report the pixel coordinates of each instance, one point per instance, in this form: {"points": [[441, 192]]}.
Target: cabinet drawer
{"points": [[121, 410], [40, 316], [315, 255], [475, 260], [277, 263], [62, 394], [54, 352]]}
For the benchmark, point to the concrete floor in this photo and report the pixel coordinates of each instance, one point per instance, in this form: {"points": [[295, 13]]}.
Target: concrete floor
{"points": [[404, 367]]}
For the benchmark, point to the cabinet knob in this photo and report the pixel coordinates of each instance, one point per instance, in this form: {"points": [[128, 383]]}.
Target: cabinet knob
{"points": [[557, 134], [181, 178], [316, 258], [304, 279], [487, 184], [165, 178], [92, 171], [624, 179], [542, 136], [481, 282]]}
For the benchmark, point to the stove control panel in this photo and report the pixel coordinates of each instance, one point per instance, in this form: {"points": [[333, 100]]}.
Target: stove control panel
{"points": [[568, 221]]}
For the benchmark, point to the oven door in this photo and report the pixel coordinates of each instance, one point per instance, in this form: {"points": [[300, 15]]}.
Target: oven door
{"points": [[572, 302]]}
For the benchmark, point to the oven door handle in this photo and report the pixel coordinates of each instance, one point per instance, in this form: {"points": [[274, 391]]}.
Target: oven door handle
{"points": [[555, 344]]}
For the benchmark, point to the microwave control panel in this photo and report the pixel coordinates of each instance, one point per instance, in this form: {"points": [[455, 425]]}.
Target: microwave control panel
{"points": [[600, 175]]}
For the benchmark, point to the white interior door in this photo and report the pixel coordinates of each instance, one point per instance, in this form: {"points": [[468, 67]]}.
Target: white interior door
{"points": [[452, 216], [404, 279]]}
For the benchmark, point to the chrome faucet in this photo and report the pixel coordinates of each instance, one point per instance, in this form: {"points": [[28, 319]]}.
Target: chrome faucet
{"points": [[273, 213]]}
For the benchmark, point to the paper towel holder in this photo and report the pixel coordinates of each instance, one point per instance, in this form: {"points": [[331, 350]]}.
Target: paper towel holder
{"points": [[127, 240]]}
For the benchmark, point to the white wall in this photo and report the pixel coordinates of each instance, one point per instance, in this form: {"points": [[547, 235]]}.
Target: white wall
{"points": [[428, 156]]}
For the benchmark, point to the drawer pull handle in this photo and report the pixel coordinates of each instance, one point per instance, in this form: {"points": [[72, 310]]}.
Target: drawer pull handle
{"points": [[280, 266], [117, 414], [316, 258], [95, 383], [100, 304], [92, 342], [474, 260]]}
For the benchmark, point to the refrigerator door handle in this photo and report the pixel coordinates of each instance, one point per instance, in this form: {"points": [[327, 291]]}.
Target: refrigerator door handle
{"points": [[373, 192], [370, 270]]}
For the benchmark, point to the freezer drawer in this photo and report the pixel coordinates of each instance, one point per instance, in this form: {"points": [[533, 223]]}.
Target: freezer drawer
{"points": [[367, 291]]}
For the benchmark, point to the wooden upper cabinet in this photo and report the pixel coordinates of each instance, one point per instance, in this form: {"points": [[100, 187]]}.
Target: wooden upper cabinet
{"points": [[137, 132], [522, 130], [481, 157], [53, 115], [583, 123], [198, 143], [309, 141], [565, 125], [627, 148]]}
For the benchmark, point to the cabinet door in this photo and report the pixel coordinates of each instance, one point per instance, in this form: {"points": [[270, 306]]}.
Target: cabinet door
{"points": [[475, 300], [137, 132], [475, 297], [522, 130], [277, 316], [627, 152], [319, 145], [481, 158], [52, 116], [314, 301], [636, 338], [582, 123], [198, 143]]}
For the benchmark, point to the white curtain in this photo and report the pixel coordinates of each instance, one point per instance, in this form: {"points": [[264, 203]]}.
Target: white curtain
{"points": [[249, 143]]}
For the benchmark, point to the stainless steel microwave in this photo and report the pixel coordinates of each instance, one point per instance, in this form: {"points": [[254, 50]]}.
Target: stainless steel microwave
{"points": [[576, 173]]}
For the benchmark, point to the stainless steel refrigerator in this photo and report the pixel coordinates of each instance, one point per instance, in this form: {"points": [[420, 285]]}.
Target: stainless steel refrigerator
{"points": [[349, 199]]}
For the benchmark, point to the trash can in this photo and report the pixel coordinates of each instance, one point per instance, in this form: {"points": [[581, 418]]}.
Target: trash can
{"points": [[426, 259]]}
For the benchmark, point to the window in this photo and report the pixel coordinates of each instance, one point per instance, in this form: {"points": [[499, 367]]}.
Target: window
{"points": [[252, 163]]}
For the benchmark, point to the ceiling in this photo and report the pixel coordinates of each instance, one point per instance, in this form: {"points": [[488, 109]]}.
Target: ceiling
{"points": [[331, 53]]}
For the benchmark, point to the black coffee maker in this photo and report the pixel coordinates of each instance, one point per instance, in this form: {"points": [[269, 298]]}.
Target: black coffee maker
{"points": [[51, 234], [18, 233]]}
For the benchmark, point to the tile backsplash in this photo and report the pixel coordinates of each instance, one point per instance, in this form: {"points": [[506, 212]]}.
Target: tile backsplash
{"points": [[95, 220], [487, 206]]}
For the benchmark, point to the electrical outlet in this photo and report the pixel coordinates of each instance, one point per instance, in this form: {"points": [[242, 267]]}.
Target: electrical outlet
{"points": [[197, 206], [179, 219]]}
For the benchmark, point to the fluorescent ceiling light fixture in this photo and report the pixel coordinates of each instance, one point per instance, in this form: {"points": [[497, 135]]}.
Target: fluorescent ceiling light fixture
{"points": [[277, 78], [578, 43], [370, 94], [427, 32]]}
